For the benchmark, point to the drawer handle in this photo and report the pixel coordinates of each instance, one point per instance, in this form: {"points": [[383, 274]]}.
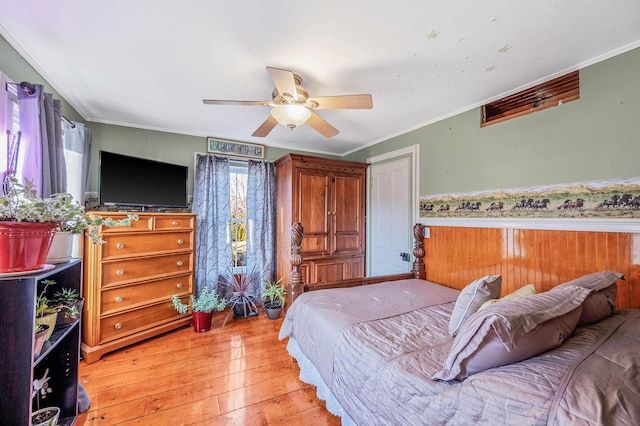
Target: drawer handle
{"points": [[174, 223], [120, 246], [118, 326], [119, 299], [180, 241], [179, 285], [120, 272], [180, 263]]}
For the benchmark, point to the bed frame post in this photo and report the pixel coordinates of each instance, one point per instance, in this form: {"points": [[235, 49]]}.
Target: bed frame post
{"points": [[296, 286], [418, 252]]}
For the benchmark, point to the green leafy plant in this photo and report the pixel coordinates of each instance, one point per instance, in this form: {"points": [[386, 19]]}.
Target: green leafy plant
{"points": [[44, 306], [21, 203], [66, 300], [274, 293], [207, 301], [240, 285]]}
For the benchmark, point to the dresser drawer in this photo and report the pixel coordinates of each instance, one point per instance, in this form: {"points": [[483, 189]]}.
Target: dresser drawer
{"points": [[120, 245], [117, 299], [142, 224], [116, 326], [174, 222], [128, 270]]}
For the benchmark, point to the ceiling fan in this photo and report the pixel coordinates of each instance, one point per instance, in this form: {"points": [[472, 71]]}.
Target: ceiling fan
{"points": [[292, 106]]}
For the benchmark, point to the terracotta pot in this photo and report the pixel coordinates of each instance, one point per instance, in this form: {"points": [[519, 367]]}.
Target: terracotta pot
{"points": [[61, 246], [39, 339], [201, 321], [24, 246]]}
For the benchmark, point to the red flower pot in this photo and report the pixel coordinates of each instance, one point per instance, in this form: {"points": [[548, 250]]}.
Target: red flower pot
{"points": [[201, 321], [24, 246]]}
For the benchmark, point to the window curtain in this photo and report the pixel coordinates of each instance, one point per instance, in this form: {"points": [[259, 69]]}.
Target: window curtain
{"points": [[54, 170], [30, 159], [42, 152], [211, 202], [5, 120], [77, 140], [261, 222]]}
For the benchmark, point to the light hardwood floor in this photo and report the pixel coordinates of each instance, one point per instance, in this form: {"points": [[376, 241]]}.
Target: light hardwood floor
{"points": [[239, 374]]}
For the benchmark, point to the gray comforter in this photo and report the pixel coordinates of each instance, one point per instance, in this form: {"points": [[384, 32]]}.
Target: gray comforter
{"points": [[380, 369]]}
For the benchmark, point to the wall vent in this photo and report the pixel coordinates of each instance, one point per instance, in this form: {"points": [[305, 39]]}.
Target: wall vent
{"points": [[546, 95]]}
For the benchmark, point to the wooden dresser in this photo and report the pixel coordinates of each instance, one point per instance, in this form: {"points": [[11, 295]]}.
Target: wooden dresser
{"points": [[328, 198], [129, 281]]}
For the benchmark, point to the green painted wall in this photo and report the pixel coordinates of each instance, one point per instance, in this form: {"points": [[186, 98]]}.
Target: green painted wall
{"points": [[161, 146], [595, 137]]}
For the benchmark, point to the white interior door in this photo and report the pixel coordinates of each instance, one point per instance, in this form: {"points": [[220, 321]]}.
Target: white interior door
{"points": [[390, 217]]}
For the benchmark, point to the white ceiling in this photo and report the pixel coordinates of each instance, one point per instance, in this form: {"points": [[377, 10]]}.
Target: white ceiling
{"points": [[149, 63]]}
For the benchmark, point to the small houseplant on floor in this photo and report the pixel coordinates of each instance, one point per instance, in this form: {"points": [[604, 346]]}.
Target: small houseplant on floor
{"points": [[29, 222], [242, 303], [273, 298], [201, 307]]}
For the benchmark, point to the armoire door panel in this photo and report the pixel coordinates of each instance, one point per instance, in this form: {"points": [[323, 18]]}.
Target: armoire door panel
{"points": [[347, 243], [329, 270], [314, 244], [347, 202], [313, 206]]}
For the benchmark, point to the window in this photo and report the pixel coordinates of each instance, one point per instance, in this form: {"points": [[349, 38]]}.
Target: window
{"points": [[10, 143], [238, 202]]}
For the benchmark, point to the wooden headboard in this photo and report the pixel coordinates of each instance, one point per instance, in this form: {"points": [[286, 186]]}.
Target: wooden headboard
{"points": [[456, 256]]}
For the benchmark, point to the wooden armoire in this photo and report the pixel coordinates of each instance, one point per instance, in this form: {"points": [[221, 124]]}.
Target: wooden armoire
{"points": [[328, 198]]}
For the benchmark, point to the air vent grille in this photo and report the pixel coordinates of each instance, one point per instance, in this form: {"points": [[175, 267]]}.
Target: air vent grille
{"points": [[546, 95]]}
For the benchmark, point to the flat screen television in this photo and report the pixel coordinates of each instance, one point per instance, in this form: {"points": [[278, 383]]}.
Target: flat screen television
{"points": [[139, 182]]}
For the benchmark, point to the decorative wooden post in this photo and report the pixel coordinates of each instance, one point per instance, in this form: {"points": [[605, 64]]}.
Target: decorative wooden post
{"points": [[418, 251], [296, 285]]}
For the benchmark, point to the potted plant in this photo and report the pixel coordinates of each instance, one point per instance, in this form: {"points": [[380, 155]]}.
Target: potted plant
{"points": [[43, 416], [46, 314], [273, 298], [241, 301], [201, 307], [68, 304], [40, 333], [29, 222]]}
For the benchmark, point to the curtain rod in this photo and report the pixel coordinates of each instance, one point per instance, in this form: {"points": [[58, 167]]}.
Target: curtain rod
{"points": [[28, 88]]}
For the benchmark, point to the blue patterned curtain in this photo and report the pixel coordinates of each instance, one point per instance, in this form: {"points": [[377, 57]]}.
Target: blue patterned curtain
{"points": [[211, 202], [261, 221]]}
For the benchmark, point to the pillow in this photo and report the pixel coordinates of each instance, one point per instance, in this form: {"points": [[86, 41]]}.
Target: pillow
{"points": [[516, 325], [527, 290], [602, 301], [471, 298]]}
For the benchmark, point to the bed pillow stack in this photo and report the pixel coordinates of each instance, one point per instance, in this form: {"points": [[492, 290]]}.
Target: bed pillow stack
{"points": [[602, 301], [471, 298], [521, 328]]}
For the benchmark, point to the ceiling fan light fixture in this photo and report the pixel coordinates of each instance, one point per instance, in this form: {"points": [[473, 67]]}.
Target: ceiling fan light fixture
{"points": [[291, 116]]}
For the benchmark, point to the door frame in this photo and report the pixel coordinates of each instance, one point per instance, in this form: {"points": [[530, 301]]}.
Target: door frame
{"points": [[413, 152]]}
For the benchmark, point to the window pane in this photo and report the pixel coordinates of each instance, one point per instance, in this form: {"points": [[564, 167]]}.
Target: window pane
{"points": [[238, 216]]}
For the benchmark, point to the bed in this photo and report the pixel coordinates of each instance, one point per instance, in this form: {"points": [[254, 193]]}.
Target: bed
{"points": [[380, 350]]}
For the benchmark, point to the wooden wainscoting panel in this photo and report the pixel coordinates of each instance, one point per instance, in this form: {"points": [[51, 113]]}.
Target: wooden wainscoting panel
{"points": [[458, 255]]}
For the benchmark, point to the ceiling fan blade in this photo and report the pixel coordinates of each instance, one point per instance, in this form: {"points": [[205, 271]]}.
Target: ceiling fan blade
{"points": [[265, 127], [322, 126], [284, 81], [225, 102], [343, 102]]}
